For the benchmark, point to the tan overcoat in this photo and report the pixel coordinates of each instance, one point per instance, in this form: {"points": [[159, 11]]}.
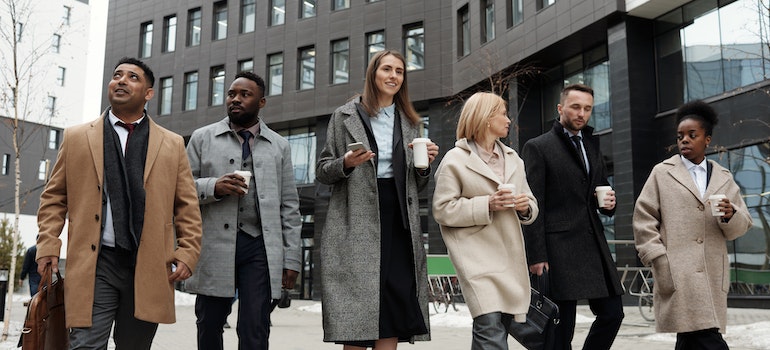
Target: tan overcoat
{"points": [[172, 220], [486, 248], [676, 234]]}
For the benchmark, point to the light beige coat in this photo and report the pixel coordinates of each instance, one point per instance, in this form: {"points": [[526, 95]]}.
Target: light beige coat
{"points": [[486, 248], [676, 234], [172, 220]]}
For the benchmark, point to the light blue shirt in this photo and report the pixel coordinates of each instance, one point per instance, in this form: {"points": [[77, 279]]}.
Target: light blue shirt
{"points": [[382, 127], [108, 235]]}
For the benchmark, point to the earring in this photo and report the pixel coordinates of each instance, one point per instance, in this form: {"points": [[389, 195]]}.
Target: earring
{"points": [[487, 125]]}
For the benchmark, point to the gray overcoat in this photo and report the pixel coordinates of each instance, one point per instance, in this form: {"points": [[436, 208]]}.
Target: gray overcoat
{"points": [[676, 234], [350, 245], [214, 150]]}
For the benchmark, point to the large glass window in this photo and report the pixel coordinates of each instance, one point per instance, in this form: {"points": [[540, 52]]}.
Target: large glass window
{"points": [[414, 46], [53, 138], [42, 170], [306, 68], [750, 253], [303, 149], [56, 43], [220, 21], [598, 78], [166, 93], [246, 65], [487, 20], [541, 4], [145, 46], [308, 8], [51, 105], [169, 34], [275, 74], [340, 61], [704, 50], [66, 15], [217, 85], [515, 13], [190, 91], [464, 28], [248, 15], [340, 4], [6, 164], [277, 12], [375, 42], [60, 76], [194, 27]]}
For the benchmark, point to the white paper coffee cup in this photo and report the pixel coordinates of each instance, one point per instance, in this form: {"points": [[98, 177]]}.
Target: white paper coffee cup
{"points": [[510, 187], [714, 201], [420, 150], [246, 178], [601, 193]]}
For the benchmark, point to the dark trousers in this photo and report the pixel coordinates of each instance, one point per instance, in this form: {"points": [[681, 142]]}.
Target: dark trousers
{"points": [[253, 284], [113, 302], [705, 339], [609, 315]]}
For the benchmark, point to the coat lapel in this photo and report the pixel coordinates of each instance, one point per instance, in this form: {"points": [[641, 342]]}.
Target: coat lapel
{"points": [[510, 164], [717, 181], [476, 164], [358, 126], [153, 148], [680, 174], [95, 137]]}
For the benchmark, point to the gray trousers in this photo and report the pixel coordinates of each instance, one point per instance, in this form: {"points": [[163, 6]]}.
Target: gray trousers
{"points": [[490, 331], [113, 303]]}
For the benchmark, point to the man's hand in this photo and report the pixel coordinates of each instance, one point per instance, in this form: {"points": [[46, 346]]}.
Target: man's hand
{"points": [[289, 278], [53, 260], [538, 268], [230, 184], [182, 272]]}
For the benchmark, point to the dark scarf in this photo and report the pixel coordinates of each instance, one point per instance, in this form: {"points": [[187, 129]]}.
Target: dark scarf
{"points": [[124, 180]]}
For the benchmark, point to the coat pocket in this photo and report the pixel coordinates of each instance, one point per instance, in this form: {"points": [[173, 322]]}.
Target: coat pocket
{"points": [[661, 272]]}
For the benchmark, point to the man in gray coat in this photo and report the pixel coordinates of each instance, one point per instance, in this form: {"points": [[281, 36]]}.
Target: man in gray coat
{"points": [[564, 166], [251, 224]]}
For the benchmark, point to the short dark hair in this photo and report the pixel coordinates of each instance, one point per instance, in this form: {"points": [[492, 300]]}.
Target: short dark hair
{"points": [[148, 74], [575, 87], [253, 77], [700, 111]]}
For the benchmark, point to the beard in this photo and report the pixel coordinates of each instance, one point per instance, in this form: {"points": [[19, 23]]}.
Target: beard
{"points": [[243, 119]]}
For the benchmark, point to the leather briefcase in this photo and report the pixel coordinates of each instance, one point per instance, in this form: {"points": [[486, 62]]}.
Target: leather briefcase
{"points": [[45, 327]]}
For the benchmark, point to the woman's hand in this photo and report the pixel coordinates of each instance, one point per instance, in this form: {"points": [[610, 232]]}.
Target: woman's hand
{"points": [[521, 204], [502, 200], [356, 158], [432, 152]]}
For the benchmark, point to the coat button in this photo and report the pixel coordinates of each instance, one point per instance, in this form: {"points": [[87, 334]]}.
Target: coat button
{"points": [[227, 226], [96, 217], [700, 207], [93, 248], [699, 240], [232, 161]]}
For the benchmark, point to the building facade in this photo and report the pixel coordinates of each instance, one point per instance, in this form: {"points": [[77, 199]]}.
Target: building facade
{"points": [[50, 40], [643, 58]]}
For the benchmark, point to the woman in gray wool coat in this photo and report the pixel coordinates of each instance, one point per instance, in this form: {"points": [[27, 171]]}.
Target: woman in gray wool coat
{"points": [[678, 236], [373, 264]]}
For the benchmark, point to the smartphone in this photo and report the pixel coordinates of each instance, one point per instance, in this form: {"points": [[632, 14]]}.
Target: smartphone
{"points": [[356, 146]]}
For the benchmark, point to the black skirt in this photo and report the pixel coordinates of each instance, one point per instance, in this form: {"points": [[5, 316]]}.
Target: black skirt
{"points": [[400, 315]]}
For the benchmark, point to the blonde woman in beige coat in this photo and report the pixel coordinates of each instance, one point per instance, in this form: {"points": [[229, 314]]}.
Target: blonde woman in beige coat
{"points": [[677, 235], [481, 225]]}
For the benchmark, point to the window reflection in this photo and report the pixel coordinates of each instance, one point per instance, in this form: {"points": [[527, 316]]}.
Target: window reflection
{"points": [[303, 149]]}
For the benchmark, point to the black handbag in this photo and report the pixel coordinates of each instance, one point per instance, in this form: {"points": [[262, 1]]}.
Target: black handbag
{"points": [[539, 331]]}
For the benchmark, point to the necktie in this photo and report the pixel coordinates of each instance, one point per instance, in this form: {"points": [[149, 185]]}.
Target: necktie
{"points": [[130, 128], [245, 148], [579, 147]]}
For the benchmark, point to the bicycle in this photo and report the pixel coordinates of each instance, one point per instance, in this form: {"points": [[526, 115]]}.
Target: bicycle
{"points": [[643, 278]]}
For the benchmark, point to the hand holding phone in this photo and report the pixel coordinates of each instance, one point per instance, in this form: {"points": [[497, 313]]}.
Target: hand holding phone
{"points": [[357, 146]]}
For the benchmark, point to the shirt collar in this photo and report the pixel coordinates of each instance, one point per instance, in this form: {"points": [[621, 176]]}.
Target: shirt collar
{"points": [[387, 112], [569, 134], [114, 119], [254, 129], [690, 165]]}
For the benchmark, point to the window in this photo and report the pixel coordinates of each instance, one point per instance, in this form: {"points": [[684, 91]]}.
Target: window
{"points": [[6, 164], [169, 34], [42, 170], [51, 105], [375, 42], [340, 61], [303, 150], [275, 74], [464, 28], [306, 68], [414, 46], [19, 31], [340, 4], [56, 43], [60, 76], [217, 87], [53, 139], [246, 65], [277, 12], [220, 21], [248, 16], [541, 4], [190, 91], [194, 27], [145, 45], [515, 14], [66, 15], [307, 9], [166, 92], [487, 20]]}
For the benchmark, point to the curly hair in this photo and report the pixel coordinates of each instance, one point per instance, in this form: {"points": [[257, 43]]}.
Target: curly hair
{"points": [[699, 111]]}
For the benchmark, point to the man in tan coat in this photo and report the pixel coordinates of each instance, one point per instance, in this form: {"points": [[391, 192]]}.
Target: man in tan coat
{"points": [[126, 187]]}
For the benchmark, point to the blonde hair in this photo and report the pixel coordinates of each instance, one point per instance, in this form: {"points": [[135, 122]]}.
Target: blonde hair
{"points": [[475, 115], [371, 93]]}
